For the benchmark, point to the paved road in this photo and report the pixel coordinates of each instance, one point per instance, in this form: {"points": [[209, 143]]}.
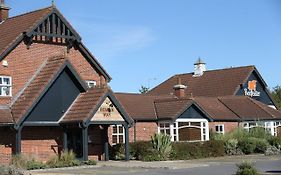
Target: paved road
{"points": [[218, 166]]}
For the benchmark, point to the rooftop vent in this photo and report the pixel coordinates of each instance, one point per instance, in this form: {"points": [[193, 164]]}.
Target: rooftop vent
{"points": [[199, 68]]}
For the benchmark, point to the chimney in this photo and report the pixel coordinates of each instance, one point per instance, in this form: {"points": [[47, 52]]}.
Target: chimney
{"points": [[179, 89], [199, 68], [4, 11]]}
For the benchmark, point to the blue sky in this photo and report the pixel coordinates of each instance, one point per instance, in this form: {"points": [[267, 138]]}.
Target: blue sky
{"points": [[144, 42]]}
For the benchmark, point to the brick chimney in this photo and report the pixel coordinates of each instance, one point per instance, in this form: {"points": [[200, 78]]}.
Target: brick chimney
{"points": [[180, 89], [4, 11]]}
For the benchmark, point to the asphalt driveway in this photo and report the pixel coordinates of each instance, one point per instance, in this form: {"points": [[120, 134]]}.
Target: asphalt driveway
{"points": [[210, 166]]}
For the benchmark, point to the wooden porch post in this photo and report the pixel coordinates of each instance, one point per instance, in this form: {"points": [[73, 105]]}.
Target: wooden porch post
{"points": [[127, 151], [105, 139], [85, 143], [18, 140], [65, 148]]}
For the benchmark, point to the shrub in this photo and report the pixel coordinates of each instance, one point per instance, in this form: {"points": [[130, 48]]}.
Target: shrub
{"points": [[11, 170], [275, 141], [247, 146], [117, 152], [272, 150], [246, 168], [66, 159], [89, 162], [231, 147], [194, 150], [238, 134], [33, 164], [19, 161], [261, 145], [259, 132], [162, 144], [140, 149]]}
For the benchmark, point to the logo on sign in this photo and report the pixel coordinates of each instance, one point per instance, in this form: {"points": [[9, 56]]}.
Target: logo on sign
{"points": [[107, 109], [251, 91]]}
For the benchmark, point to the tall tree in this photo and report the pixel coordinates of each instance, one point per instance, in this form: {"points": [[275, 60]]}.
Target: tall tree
{"points": [[143, 89], [276, 95]]}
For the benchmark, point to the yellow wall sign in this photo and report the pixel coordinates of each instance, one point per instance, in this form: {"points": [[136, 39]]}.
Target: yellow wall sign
{"points": [[107, 112], [251, 91]]}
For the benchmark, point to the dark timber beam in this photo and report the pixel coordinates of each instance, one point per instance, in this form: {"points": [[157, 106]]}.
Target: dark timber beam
{"points": [[65, 148], [105, 141], [18, 140], [127, 153], [85, 143]]}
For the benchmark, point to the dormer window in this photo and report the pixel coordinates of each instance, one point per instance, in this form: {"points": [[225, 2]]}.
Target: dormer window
{"points": [[5, 86], [91, 83]]}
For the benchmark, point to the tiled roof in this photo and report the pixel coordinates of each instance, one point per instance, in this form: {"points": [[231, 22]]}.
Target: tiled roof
{"points": [[171, 108], [212, 83], [36, 87], [14, 27], [139, 107], [215, 108], [227, 108], [5, 115], [248, 109], [85, 104]]}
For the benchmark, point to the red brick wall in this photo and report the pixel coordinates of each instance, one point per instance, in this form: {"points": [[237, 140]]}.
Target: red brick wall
{"points": [[41, 143], [228, 126], [23, 64], [7, 141]]}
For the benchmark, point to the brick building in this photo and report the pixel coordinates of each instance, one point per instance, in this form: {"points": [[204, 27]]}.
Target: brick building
{"points": [[188, 106], [54, 95]]}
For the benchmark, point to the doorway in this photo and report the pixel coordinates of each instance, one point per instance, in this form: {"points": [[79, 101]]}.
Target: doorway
{"points": [[75, 142]]}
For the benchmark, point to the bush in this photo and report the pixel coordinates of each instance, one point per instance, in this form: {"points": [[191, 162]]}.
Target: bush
{"points": [[246, 168], [247, 146], [231, 147], [272, 150], [259, 132], [19, 161], [89, 162], [140, 149], [33, 164], [162, 144], [261, 145], [195, 150], [275, 141], [66, 159]]}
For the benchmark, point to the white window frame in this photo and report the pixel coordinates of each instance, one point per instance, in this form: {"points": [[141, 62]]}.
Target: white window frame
{"points": [[174, 128], [269, 126], [89, 82], [220, 126], [2, 86], [118, 134]]}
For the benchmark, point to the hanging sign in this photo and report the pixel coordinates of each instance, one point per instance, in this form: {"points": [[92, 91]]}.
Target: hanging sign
{"points": [[251, 91]]}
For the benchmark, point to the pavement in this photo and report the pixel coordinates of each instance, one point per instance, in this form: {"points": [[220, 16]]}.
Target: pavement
{"points": [[216, 166]]}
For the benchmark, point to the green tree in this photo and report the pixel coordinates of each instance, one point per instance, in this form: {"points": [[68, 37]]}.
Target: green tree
{"points": [[143, 89], [276, 95]]}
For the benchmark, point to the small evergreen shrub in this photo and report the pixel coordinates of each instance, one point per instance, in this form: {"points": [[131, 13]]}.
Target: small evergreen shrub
{"points": [[261, 145], [195, 150], [231, 147], [247, 145], [162, 144], [140, 149], [66, 159], [275, 141], [272, 150], [246, 168], [259, 132], [33, 165]]}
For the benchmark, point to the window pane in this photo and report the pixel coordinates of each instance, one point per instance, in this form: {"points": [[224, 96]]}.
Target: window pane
{"points": [[120, 129], [183, 124], [168, 131], [120, 139], [114, 129], [6, 81], [217, 128], [114, 139], [0, 80], [162, 131]]}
